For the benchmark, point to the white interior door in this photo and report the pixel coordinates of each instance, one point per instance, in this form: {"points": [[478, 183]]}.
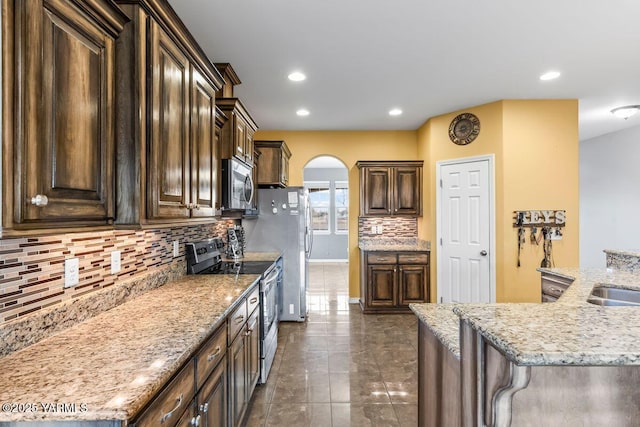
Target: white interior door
{"points": [[466, 230]]}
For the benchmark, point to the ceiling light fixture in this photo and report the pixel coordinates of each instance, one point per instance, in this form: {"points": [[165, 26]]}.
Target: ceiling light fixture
{"points": [[297, 76], [550, 75], [395, 112], [302, 112], [626, 111]]}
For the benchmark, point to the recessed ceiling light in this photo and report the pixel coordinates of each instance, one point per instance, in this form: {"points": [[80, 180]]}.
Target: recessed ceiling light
{"points": [[395, 112], [550, 75], [297, 76], [626, 111], [302, 112]]}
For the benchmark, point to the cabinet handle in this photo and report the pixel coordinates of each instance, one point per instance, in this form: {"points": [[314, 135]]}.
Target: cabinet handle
{"points": [[239, 319], [249, 331], [40, 200], [168, 415], [195, 206], [552, 289], [381, 259], [253, 300], [214, 354], [195, 421], [411, 259], [204, 408], [395, 270]]}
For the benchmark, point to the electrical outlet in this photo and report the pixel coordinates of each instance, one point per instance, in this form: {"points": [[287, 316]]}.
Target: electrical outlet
{"points": [[71, 272], [290, 308], [379, 229], [176, 248], [373, 229], [115, 262]]}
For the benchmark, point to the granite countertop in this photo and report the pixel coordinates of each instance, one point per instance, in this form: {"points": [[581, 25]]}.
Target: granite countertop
{"points": [[116, 362], [444, 323], [570, 331], [256, 256], [628, 252], [394, 245]]}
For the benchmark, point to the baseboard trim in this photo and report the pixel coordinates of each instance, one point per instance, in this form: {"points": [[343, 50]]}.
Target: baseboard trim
{"points": [[354, 300], [330, 260]]}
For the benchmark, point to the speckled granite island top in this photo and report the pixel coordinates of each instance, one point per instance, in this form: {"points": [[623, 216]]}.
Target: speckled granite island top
{"points": [[444, 323], [570, 331], [114, 363], [256, 256]]}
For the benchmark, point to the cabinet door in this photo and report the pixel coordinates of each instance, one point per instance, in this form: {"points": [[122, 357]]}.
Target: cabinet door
{"points": [[64, 116], [248, 146], [253, 352], [239, 137], [381, 285], [204, 160], [413, 284], [284, 170], [237, 380], [169, 151], [407, 188], [213, 405], [376, 191]]}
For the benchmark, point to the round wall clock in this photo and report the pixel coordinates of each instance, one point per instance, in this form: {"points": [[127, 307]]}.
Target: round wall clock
{"points": [[464, 129]]}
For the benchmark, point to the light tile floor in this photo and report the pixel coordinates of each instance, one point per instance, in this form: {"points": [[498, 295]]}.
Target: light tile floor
{"points": [[340, 368]]}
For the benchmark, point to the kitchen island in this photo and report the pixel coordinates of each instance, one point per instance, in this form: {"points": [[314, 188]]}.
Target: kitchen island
{"points": [[106, 370], [563, 363]]}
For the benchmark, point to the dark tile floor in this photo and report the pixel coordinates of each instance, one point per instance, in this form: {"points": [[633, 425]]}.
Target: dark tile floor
{"points": [[340, 367]]}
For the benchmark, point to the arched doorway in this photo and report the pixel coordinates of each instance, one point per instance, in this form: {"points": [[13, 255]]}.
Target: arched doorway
{"points": [[327, 180]]}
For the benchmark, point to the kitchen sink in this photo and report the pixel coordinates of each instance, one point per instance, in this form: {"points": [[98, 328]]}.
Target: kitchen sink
{"points": [[604, 296]]}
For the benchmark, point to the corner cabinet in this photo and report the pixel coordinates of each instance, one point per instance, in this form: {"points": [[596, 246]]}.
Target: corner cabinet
{"points": [[390, 281], [390, 188], [58, 94], [167, 141], [273, 164]]}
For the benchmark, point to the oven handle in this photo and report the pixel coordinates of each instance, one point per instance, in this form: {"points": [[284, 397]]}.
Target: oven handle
{"points": [[273, 276]]}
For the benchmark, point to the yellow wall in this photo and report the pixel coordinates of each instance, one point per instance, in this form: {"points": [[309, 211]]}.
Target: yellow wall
{"points": [[535, 144], [349, 147]]}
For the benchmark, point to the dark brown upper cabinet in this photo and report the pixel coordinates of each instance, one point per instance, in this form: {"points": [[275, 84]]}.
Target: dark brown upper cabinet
{"points": [[59, 121], [236, 138], [168, 128], [273, 164], [390, 188]]}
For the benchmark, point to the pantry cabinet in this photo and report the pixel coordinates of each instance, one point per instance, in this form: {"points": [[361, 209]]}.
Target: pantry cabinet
{"points": [[390, 281], [273, 164], [390, 188], [166, 142], [59, 83]]}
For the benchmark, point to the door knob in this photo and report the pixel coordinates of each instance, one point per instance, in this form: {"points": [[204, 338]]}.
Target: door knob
{"points": [[483, 253]]}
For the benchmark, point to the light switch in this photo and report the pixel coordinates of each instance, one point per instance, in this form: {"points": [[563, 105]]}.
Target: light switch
{"points": [[379, 229], [71, 272], [115, 262]]}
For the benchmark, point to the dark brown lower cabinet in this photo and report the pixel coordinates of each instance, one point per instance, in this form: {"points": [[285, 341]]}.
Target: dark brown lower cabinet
{"points": [[390, 281], [244, 368], [212, 399]]}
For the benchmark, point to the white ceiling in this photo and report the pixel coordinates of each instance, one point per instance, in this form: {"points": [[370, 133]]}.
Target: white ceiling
{"points": [[427, 57]]}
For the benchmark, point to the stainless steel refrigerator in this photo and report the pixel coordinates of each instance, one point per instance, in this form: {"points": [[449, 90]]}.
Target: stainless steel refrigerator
{"points": [[284, 224]]}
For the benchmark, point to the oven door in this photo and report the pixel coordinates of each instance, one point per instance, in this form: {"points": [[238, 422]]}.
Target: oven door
{"points": [[270, 301]]}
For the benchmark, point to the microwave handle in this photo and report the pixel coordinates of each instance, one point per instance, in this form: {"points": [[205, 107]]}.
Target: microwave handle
{"points": [[248, 178]]}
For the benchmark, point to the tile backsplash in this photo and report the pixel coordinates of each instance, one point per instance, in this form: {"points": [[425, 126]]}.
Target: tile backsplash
{"points": [[392, 227], [32, 268]]}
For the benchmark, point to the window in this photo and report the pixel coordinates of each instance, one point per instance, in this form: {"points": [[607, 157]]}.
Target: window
{"points": [[320, 201], [342, 206]]}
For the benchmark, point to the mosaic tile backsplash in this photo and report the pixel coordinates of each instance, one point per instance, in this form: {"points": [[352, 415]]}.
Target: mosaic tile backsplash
{"points": [[32, 269], [392, 227]]}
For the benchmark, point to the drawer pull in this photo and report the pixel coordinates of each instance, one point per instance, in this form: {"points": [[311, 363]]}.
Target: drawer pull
{"points": [[411, 259], [214, 354], [239, 319], [253, 300], [381, 259], [168, 415], [552, 289]]}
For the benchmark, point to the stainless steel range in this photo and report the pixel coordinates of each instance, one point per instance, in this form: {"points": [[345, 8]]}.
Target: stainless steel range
{"points": [[204, 258]]}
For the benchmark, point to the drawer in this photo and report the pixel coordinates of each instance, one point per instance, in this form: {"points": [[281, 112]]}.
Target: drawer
{"points": [[253, 300], [413, 258], [210, 355], [381, 258], [237, 320], [172, 400], [553, 288]]}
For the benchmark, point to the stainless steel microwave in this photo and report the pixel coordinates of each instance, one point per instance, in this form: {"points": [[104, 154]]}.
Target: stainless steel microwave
{"points": [[237, 185]]}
